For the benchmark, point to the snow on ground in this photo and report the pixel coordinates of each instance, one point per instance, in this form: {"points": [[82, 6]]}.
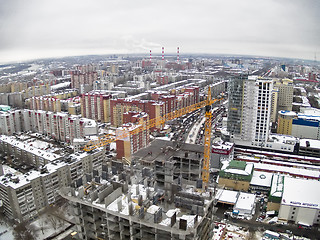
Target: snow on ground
{"points": [[6, 232], [167, 137], [44, 226], [194, 131], [113, 146], [229, 232], [258, 235]]}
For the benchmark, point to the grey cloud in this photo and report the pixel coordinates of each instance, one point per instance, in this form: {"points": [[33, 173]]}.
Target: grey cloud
{"points": [[284, 28]]}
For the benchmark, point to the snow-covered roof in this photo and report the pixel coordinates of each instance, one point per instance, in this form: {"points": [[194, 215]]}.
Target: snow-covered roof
{"points": [[300, 172], [277, 185], [287, 113], [301, 193], [153, 209], [309, 111], [222, 145], [246, 171], [35, 147], [23, 179], [60, 85], [261, 179], [313, 143], [245, 201], [227, 196], [280, 138]]}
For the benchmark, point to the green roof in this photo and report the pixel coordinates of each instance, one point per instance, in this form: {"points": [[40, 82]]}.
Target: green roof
{"points": [[237, 165]]}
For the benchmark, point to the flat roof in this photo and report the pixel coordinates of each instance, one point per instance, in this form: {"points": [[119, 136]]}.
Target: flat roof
{"points": [[261, 179], [301, 193], [313, 143], [237, 165], [245, 201], [227, 196], [247, 170], [287, 113], [36, 147]]}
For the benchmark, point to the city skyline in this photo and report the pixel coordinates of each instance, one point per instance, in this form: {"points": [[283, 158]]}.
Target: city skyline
{"points": [[41, 29]]}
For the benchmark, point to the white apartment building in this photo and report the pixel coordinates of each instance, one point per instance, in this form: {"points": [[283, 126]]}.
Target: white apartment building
{"points": [[6, 123], [59, 126], [25, 195], [285, 96], [249, 110], [10, 120]]}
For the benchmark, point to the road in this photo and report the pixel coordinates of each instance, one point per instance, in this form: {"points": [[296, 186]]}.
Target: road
{"points": [[252, 225]]}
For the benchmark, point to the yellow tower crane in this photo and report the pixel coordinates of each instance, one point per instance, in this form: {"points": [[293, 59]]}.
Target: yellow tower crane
{"points": [[207, 140], [159, 121]]}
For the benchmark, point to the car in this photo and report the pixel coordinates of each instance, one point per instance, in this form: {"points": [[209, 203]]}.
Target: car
{"points": [[300, 226]]}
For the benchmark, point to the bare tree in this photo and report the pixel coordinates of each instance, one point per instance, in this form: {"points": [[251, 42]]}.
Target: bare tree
{"points": [[23, 231]]}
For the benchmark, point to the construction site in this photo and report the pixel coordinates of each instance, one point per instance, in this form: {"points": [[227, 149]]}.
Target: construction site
{"points": [[158, 196], [162, 192]]}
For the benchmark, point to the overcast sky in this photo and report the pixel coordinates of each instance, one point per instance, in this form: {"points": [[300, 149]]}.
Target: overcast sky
{"points": [[51, 28]]}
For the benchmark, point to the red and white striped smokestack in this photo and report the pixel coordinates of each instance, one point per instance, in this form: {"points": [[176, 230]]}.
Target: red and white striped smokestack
{"points": [[150, 56], [162, 53], [178, 54]]}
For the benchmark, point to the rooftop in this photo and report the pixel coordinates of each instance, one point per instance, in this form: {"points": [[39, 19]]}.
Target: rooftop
{"points": [[16, 179], [227, 196], [311, 143], [301, 193], [261, 179], [237, 165], [277, 185], [245, 201], [39, 148]]}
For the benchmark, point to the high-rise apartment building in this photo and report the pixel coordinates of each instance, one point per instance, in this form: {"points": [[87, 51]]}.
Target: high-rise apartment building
{"points": [[118, 107], [274, 105], [235, 90], [285, 93], [249, 110], [285, 122], [25, 195], [87, 78], [136, 139], [58, 126], [96, 105]]}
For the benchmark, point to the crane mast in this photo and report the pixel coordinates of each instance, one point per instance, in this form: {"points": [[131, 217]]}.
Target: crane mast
{"points": [[155, 122], [207, 140]]}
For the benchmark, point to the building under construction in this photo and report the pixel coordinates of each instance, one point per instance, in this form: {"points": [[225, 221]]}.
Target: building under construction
{"points": [[159, 196]]}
